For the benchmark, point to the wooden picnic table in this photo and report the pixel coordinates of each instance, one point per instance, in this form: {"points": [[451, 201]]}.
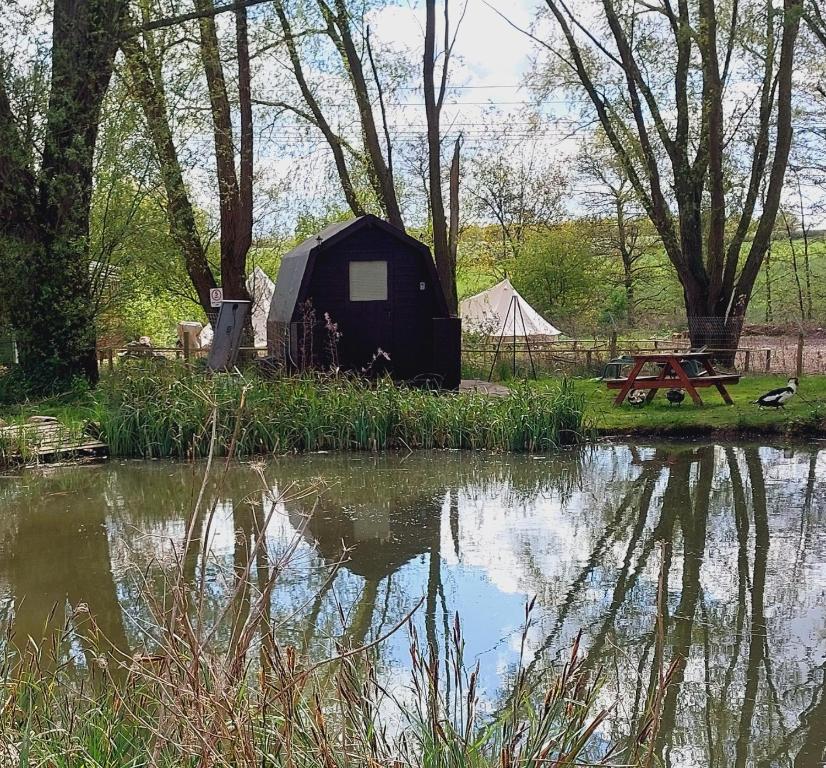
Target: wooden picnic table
{"points": [[672, 375]]}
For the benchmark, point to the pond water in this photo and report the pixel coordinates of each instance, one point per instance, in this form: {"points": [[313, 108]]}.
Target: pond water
{"points": [[735, 533]]}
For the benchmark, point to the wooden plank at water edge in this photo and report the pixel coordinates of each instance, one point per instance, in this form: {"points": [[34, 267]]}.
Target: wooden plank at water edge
{"points": [[44, 437]]}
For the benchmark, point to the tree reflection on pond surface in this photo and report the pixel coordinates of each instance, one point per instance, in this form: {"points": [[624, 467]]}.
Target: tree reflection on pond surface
{"points": [[736, 532]]}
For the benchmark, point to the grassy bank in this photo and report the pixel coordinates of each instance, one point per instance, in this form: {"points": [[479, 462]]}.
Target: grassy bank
{"points": [[805, 414], [168, 413]]}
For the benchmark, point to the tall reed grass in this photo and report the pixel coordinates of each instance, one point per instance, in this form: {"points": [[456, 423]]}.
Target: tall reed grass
{"points": [[167, 413]]}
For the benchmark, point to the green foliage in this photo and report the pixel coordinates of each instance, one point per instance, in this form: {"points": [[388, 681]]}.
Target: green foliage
{"points": [[615, 309], [167, 413], [310, 224], [143, 287], [561, 275]]}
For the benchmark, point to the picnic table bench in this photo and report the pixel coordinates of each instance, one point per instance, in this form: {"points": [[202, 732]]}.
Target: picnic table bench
{"points": [[673, 375]]}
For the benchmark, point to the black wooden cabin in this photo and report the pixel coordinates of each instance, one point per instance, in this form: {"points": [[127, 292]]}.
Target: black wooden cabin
{"points": [[380, 288]]}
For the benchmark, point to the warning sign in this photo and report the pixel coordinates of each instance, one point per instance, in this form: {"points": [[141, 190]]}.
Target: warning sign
{"points": [[216, 296]]}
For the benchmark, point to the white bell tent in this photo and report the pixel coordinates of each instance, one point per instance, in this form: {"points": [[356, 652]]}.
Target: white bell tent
{"points": [[501, 311]]}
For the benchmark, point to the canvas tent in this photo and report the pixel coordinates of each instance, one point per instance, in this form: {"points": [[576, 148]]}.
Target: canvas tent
{"points": [[501, 311], [260, 289]]}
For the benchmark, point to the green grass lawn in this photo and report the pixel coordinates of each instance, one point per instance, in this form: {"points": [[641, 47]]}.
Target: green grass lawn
{"points": [[806, 411]]}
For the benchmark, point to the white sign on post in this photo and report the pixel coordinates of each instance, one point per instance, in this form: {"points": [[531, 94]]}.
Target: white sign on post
{"points": [[216, 296]]}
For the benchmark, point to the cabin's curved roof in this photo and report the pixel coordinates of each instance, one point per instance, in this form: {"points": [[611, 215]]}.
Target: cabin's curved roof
{"points": [[294, 265]]}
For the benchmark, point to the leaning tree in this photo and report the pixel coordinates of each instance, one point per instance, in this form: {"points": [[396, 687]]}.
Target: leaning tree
{"points": [[695, 99]]}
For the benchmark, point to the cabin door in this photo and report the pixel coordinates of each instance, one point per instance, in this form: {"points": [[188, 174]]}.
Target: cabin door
{"points": [[370, 315]]}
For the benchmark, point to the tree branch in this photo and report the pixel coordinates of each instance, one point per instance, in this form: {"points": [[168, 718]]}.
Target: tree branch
{"points": [[199, 13]]}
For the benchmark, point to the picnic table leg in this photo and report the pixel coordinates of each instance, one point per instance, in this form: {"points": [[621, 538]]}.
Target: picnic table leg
{"points": [[679, 371], [720, 387], [629, 382], [652, 393]]}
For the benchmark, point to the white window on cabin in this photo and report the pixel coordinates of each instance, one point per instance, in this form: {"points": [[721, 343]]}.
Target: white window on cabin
{"points": [[368, 281]]}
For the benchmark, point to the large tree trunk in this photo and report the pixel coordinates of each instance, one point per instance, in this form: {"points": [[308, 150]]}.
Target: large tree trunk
{"points": [[52, 306], [719, 334], [234, 190]]}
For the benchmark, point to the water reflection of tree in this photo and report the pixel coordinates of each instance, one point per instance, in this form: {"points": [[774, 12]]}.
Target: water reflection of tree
{"points": [[738, 714], [373, 534], [58, 558]]}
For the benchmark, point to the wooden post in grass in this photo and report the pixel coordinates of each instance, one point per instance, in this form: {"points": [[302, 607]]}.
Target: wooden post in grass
{"points": [[110, 359], [186, 346], [612, 346], [768, 360], [799, 368], [589, 358], [747, 361]]}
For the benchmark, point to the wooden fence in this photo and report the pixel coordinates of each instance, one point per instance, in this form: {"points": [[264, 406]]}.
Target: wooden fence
{"points": [[109, 356], [790, 355]]}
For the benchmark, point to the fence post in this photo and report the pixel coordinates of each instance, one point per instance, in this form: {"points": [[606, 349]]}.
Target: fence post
{"points": [[110, 359], [799, 369], [747, 362], [186, 346], [589, 358], [768, 361], [612, 346]]}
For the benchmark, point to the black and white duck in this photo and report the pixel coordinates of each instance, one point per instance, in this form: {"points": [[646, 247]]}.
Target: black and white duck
{"points": [[778, 398], [637, 397]]}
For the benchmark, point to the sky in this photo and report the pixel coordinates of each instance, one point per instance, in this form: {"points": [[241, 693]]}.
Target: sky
{"points": [[486, 91], [492, 52]]}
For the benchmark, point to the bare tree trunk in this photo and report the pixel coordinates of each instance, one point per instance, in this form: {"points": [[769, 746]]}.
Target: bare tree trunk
{"points": [[807, 272], [235, 218], [316, 116], [378, 170], [627, 260], [453, 231], [795, 269], [152, 98], [433, 99], [243, 207]]}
